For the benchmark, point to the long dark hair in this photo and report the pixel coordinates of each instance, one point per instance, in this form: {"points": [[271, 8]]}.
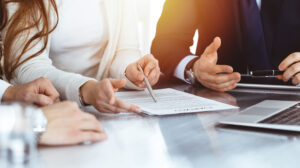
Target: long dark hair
{"points": [[30, 14]]}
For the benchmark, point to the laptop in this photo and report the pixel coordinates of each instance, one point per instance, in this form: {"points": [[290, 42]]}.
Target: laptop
{"points": [[269, 114]]}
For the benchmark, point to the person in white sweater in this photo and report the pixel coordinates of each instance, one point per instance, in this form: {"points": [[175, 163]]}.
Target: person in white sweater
{"points": [[92, 52], [54, 122]]}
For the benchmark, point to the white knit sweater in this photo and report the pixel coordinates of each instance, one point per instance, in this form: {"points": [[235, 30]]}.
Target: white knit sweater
{"points": [[62, 63]]}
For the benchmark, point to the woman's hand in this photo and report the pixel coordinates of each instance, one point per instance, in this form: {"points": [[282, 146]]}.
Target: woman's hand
{"points": [[291, 68], [67, 125], [150, 67], [39, 92], [102, 96]]}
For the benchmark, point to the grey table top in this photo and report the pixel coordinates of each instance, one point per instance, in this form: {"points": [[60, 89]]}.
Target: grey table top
{"points": [[185, 141]]}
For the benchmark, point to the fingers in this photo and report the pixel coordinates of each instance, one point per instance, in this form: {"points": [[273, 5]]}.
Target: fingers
{"points": [[222, 69], [91, 137], [291, 59], [111, 86], [118, 107], [154, 76], [118, 83], [291, 71], [107, 108], [127, 106], [39, 99], [144, 60], [280, 77], [213, 47], [134, 74], [45, 87], [219, 82], [91, 125], [221, 87], [219, 79], [150, 65], [296, 79]]}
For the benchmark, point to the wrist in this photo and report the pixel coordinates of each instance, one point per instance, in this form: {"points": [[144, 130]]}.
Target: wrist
{"points": [[9, 94], [84, 92], [190, 71], [194, 66]]}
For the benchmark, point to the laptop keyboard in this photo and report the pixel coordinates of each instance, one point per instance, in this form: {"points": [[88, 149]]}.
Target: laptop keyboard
{"points": [[290, 116]]}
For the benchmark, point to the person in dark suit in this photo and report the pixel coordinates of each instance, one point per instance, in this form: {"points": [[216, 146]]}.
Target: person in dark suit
{"points": [[255, 35]]}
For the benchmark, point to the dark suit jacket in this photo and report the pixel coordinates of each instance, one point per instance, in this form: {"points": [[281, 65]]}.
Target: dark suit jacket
{"points": [[181, 18]]}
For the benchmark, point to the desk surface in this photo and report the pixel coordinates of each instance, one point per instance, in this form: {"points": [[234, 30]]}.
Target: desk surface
{"points": [[185, 141]]}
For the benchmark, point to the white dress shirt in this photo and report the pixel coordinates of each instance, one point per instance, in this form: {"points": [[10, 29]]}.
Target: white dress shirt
{"points": [[180, 69], [3, 86]]}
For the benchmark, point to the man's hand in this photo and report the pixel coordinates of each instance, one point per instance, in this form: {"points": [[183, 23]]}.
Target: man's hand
{"points": [[150, 67], [216, 77], [102, 96], [67, 125], [39, 92], [291, 68]]}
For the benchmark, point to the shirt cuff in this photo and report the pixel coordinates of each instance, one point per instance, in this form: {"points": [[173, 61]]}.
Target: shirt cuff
{"points": [[3, 86], [180, 69]]}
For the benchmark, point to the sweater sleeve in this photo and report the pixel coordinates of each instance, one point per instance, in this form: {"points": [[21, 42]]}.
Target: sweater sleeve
{"points": [[66, 83], [128, 50], [3, 86]]}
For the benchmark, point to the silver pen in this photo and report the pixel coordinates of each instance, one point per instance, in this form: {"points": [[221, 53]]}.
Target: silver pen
{"points": [[147, 83]]}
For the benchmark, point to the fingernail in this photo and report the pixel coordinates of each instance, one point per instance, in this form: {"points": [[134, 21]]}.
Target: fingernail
{"points": [[138, 110]]}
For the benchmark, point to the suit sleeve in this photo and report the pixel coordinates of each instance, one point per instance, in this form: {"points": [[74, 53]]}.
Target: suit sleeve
{"points": [[174, 34]]}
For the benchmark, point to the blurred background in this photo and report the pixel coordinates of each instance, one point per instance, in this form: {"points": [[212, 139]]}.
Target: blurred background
{"points": [[149, 12]]}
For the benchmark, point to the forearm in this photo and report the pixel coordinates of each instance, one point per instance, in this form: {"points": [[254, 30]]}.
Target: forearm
{"points": [[67, 84]]}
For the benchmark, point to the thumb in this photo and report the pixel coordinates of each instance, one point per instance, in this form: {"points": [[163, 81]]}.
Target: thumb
{"points": [[134, 74], [117, 84], [213, 47]]}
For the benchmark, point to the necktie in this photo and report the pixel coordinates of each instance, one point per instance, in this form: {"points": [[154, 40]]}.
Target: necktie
{"points": [[254, 46], [270, 10]]}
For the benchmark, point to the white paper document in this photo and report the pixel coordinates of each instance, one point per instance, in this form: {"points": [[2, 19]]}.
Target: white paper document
{"points": [[171, 101]]}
